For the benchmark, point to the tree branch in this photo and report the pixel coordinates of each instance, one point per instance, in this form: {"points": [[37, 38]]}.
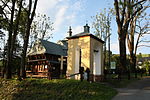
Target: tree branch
{"points": [[5, 4], [143, 46], [138, 3], [117, 12], [123, 13]]}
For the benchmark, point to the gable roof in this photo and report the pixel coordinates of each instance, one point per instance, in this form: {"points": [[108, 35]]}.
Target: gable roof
{"points": [[53, 48], [47, 47], [63, 43], [85, 34]]}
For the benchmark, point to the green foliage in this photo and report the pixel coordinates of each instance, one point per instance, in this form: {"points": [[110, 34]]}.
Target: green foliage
{"points": [[23, 22], [146, 65], [16, 65], [43, 89], [1, 63], [4, 23], [115, 58], [107, 58]]}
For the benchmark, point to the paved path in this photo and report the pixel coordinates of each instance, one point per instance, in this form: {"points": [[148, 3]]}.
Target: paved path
{"points": [[139, 90]]}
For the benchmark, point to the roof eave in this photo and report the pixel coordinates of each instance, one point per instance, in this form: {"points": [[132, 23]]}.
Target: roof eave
{"points": [[91, 35]]}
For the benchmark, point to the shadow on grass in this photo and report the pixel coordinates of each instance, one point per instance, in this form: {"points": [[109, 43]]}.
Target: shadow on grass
{"points": [[43, 89]]}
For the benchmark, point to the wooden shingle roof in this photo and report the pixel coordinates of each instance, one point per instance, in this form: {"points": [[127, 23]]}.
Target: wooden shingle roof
{"points": [[53, 48], [43, 46]]}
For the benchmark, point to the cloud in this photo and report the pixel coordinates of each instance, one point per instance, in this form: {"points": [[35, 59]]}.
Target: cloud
{"points": [[64, 13], [44, 6], [59, 17], [75, 10], [67, 14], [78, 5]]}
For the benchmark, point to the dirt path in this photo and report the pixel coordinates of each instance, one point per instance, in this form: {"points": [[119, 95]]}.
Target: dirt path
{"points": [[139, 90]]}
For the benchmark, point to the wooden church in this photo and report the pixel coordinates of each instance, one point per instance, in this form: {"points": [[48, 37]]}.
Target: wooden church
{"points": [[47, 59]]}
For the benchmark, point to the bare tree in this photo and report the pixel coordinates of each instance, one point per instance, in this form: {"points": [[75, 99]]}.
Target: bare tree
{"points": [[40, 28], [101, 24], [131, 37], [125, 11]]}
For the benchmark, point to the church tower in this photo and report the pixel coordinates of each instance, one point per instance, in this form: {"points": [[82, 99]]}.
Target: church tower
{"points": [[86, 50]]}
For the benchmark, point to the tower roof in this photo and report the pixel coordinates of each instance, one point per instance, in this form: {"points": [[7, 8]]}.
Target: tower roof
{"points": [[85, 33]]}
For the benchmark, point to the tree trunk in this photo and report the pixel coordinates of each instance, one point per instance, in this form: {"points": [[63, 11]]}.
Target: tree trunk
{"points": [[105, 55], [25, 45], [23, 60], [4, 63], [16, 28], [9, 54], [18, 73], [122, 47], [26, 38], [15, 34], [134, 64]]}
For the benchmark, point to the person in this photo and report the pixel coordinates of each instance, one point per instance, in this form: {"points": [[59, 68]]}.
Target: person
{"points": [[81, 71], [88, 74]]}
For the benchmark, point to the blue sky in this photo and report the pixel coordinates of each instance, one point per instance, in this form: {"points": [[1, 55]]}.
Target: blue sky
{"points": [[75, 13]]}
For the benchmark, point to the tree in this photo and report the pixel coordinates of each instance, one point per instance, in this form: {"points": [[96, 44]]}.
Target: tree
{"points": [[40, 28], [9, 55], [146, 65], [143, 31], [14, 9], [125, 11], [30, 16], [130, 39], [101, 24], [12, 24], [108, 58]]}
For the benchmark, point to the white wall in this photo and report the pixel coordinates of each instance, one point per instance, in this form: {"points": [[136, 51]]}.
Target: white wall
{"points": [[97, 61], [77, 62]]}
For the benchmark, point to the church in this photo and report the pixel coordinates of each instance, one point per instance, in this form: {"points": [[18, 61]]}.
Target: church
{"points": [[64, 58]]}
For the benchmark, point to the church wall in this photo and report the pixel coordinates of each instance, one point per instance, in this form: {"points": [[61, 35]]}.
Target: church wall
{"points": [[98, 46], [74, 46]]}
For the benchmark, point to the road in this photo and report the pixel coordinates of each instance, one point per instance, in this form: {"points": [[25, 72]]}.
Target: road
{"points": [[139, 90]]}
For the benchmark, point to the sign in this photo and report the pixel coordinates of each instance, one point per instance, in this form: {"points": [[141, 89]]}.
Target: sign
{"points": [[113, 65]]}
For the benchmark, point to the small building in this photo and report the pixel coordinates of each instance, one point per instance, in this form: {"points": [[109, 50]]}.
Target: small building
{"points": [[47, 59], [85, 50]]}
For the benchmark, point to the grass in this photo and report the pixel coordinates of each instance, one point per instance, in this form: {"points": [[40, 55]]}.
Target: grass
{"points": [[114, 82], [43, 89]]}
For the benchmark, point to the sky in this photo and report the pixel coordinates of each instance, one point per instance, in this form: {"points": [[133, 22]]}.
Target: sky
{"points": [[76, 13]]}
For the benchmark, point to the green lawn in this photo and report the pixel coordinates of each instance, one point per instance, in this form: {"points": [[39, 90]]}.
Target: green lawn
{"points": [[43, 89]]}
